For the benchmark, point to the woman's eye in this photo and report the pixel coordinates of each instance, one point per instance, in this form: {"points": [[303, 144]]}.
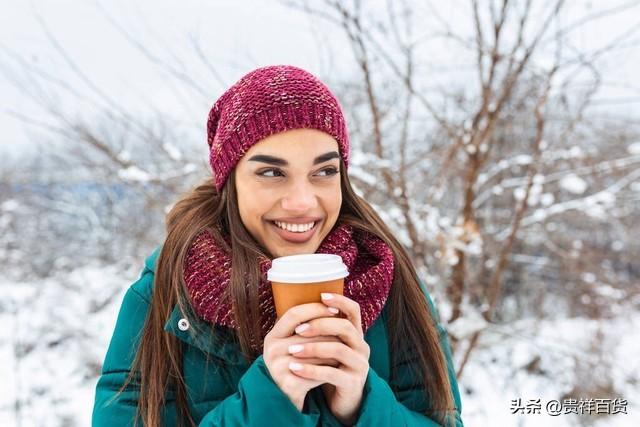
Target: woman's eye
{"points": [[262, 173], [277, 172], [330, 171]]}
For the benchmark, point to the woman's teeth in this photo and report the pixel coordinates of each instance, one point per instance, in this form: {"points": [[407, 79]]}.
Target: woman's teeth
{"points": [[296, 228]]}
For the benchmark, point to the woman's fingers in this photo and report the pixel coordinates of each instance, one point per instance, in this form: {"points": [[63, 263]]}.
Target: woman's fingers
{"points": [[341, 328], [347, 306], [318, 361], [325, 374], [329, 350], [296, 315], [348, 378], [281, 346]]}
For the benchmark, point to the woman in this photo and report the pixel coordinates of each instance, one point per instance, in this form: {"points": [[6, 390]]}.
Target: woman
{"points": [[197, 341]]}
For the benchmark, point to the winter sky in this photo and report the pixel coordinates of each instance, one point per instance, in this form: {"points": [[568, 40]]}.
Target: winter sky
{"points": [[236, 36]]}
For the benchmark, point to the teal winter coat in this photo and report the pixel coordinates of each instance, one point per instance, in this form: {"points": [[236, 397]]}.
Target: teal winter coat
{"points": [[244, 394]]}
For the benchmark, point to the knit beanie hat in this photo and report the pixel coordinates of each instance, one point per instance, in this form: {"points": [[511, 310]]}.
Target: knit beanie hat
{"points": [[266, 101]]}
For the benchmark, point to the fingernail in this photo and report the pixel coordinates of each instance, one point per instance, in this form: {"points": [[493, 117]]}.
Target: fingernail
{"points": [[333, 310], [295, 348], [325, 295], [295, 366], [302, 328]]}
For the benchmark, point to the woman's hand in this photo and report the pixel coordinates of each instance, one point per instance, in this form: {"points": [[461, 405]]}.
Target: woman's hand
{"points": [[276, 350], [343, 385]]}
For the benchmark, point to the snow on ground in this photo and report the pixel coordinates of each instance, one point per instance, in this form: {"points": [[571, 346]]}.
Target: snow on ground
{"points": [[495, 374], [54, 325], [63, 338]]}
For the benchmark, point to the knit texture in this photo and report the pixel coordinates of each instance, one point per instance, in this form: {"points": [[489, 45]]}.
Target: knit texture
{"points": [[266, 101], [368, 258]]}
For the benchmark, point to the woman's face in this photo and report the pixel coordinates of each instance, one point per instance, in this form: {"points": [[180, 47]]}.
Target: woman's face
{"points": [[292, 178]]}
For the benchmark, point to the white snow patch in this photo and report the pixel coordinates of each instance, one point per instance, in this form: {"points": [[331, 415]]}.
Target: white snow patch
{"points": [[172, 151], [467, 324], [547, 199], [189, 168], [576, 152], [617, 245], [124, 156], [9, 205], [574, 184], [519, 193], [134, 173], [634, 148]]}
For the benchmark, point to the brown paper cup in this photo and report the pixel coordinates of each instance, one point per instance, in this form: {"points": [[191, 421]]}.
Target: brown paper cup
{"points": [[287, 295], [300, 279]]}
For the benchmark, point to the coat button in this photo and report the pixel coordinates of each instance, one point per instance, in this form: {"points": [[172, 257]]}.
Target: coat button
{"points": [[183, 324]]}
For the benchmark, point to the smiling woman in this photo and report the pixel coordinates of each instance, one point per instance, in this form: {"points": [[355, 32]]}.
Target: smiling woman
{"points": [[377, 355], [291, 208]]}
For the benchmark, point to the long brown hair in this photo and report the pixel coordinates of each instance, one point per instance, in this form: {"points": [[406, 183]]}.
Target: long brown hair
{"points": [[158, 361]]}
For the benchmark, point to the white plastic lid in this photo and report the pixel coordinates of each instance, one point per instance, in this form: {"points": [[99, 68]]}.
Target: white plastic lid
{"points": [[307, 268]]}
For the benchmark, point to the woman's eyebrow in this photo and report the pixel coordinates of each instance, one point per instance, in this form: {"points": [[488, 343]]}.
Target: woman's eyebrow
{"points": [[277, 161]]}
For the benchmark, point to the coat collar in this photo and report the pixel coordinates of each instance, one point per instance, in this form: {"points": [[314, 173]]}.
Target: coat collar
{"points": [[210, 338], [213, 339]]}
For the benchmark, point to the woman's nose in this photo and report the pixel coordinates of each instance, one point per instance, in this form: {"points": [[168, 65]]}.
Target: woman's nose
{"points": [[300, 197]]}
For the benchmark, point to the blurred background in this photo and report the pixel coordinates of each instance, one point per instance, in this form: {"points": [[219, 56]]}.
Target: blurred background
{"points": [[499, 139]]}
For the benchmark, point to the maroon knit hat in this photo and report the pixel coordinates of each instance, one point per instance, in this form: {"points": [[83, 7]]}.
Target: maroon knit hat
{"points": [[266, 101]]}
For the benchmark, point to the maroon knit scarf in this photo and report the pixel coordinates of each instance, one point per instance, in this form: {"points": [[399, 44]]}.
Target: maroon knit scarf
{"points": [[369, 260]]}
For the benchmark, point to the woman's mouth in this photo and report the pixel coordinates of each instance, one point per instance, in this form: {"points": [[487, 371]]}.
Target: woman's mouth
{"points": [[295, 234]]}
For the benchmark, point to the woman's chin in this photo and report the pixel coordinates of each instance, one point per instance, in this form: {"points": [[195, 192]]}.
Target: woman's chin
{"points": [[303, 249]]}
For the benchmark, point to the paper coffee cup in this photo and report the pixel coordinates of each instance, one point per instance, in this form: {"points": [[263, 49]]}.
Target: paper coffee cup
{"points": [[300, 279]]}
